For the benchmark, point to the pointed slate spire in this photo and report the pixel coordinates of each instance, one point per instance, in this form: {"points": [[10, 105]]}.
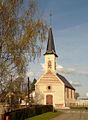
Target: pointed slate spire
{"points": [[50, 44]]}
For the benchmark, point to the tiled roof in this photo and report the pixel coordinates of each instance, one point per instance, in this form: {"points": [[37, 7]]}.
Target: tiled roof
{"points": [[67, 84]]}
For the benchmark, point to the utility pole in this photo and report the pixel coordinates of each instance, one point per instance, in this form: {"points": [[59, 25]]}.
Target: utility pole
{"points": [[10, 96], [28, 90]]}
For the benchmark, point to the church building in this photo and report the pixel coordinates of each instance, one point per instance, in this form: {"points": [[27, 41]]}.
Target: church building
{"points": [[53, 88]]}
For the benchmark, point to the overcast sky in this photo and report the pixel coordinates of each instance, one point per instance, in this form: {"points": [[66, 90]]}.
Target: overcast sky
{"points": [[70, 31]]}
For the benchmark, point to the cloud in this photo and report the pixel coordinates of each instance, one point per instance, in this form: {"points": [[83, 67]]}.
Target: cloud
{"points": [[83, 73], [87, 94], [71, 71], [65, 70], [59, 67], [43, 66], [76, 83], [30, 73]]}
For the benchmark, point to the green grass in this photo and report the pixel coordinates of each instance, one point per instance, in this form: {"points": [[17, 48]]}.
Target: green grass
{"points": [[45, 116]]}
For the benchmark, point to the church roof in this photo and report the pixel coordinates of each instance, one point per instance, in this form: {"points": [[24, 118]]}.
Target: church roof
{"points": [[67, 84], [50, 44]]}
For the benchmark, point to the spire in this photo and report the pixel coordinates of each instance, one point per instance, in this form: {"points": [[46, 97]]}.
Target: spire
{"points": [[50, 44]]}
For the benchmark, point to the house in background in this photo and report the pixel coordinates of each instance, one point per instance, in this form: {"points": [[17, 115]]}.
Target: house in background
{"points": [[53, 88]]}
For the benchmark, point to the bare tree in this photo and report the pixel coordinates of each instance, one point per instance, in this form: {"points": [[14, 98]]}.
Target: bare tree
{"points": [[22, 34]]}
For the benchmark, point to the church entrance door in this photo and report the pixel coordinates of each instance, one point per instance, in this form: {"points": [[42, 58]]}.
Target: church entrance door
{"points": [[49, 99]]}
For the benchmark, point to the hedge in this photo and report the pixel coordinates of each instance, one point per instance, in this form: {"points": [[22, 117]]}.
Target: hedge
{"points": [[28, 112]]}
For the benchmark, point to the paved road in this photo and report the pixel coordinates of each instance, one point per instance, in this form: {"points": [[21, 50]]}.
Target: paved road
{"points": [[73, 115]]}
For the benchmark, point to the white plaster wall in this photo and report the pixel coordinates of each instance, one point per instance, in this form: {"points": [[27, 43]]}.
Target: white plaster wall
{"points": [[57, 91], [52, 58]]}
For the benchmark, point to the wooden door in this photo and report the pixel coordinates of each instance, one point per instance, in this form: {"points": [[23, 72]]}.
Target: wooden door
{"points": [[49, 99]]}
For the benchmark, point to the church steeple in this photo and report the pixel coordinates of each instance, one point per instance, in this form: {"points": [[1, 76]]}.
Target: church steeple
{"points": [[50, 54], [50, 44]]}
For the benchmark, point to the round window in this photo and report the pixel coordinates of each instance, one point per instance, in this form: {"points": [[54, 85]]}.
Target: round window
{"points": [[49, 87]]}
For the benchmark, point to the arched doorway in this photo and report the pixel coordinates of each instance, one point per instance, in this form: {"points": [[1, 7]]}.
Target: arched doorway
{"points": [[49, 99]]}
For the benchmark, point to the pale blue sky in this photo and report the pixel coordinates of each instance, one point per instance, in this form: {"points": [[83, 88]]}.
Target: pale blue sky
{"points": [[70, 30]]}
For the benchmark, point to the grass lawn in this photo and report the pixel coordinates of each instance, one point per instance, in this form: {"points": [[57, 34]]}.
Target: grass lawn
{"points": [[45, 116]]}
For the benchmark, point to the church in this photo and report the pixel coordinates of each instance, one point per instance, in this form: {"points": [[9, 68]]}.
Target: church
{"points": [[53, 88]]}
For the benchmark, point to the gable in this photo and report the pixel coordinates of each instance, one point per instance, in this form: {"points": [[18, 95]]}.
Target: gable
{"points": [[49, 77]]}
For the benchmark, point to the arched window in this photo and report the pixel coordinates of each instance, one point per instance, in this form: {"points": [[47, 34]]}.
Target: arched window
{"points": [[49, 64]]}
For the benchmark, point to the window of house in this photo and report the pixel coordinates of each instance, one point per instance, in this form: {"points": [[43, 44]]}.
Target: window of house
{"points": [[67, 92]]}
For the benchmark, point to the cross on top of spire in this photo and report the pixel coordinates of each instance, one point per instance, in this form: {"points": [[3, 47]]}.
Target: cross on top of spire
{"points": [[50, 18]]}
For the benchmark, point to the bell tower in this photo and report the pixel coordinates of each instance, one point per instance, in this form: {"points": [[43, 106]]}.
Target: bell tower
{"points": [[50, 54]]}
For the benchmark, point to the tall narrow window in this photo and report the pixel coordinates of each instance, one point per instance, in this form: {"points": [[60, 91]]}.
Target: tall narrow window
{"points": [[49, 64], [71, 94], [55, 65], [67, 92]]}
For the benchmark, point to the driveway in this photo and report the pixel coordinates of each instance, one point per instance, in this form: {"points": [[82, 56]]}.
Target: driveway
{"points": [[73, 115]]}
